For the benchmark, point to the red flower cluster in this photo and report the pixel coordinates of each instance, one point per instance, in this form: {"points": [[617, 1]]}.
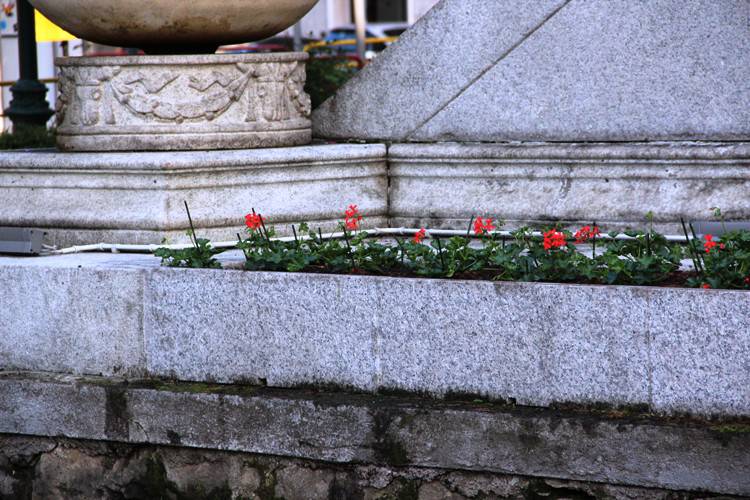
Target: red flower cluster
{"points": [[419, 236], [482, 226], [706, 286], [352, 217], [586, 233], [710, 244], [554, 239], [747, 280], [253, 221]]}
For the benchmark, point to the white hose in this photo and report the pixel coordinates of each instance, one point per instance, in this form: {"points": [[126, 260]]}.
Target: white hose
{"points": [[401, 231]]}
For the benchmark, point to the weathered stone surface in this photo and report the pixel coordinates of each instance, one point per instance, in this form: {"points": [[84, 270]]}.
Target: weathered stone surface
{"points": [[439, 56], [325, 334], [675, 350], [692, 364], [301, 482], [56, 468], [534, 345], [72, 320], [54, 408], [196, 102], [81, 198], [556, 71], [395, 433], [615, 185]]}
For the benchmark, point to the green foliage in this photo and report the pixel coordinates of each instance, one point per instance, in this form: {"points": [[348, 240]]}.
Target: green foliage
{"points": [[28, 138], [725, 264], [646, 259], [325, 74], [200, 255], [641, 258]]}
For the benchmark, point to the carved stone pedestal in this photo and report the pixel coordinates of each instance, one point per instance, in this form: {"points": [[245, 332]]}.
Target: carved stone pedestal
{"points": [[185, 102]]}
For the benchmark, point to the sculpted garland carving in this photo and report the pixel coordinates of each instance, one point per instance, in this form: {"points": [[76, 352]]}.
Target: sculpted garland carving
{"points": [[273, 92]]}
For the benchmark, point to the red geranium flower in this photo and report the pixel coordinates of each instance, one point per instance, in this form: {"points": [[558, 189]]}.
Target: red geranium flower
{"points": [[706, 286], [253, 221], [710, 244], [554, 239], [419, 236], [586, 233], [482, 226], [351, 212], [352, 218], [747, 280]]}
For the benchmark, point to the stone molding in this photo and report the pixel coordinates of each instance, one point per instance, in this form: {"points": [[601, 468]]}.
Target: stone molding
{"points": [[445, 184], [81, 198], [182, 102]]}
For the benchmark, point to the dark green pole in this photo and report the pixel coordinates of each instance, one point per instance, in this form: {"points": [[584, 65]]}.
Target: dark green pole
{"points": [[28, 106]]}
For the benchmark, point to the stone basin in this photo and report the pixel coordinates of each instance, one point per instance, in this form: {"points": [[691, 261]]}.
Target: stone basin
{"points": [[173, 26]]}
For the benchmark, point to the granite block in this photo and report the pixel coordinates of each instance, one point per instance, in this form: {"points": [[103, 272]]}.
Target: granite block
{"points": [[71, 319], [700, 351], [230, 325]]}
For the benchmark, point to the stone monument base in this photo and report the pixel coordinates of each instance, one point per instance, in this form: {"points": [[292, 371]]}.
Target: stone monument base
{"points": [[84, 198], [183, 102]]}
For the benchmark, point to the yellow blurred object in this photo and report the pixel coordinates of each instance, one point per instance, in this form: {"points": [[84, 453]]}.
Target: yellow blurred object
{"points": [[47, 31], [353, 41]]}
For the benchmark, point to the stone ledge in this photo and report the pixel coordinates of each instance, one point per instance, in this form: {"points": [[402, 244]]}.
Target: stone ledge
{"points": [[445, 184], [675, 350], [390, 431], [80, 198]]}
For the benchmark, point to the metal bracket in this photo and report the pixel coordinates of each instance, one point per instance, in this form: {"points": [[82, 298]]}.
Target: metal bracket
{"points": [[20, 240]]}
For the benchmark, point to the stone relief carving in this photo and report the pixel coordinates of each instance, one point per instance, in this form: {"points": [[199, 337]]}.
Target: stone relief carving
{"points": [[85, 97], [273, 92]]}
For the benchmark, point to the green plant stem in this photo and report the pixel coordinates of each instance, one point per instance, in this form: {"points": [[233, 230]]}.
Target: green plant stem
{"points": [[691, 247], [193, 238], [440, 253], [700, 257], [244, 252], [349, 249]]}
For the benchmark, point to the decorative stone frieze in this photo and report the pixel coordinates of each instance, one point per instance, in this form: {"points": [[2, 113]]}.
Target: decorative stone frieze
{"points": [[137, 103]]}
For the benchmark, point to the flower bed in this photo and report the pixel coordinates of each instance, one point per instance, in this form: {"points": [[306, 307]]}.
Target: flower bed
{"points": [[633, 258]]}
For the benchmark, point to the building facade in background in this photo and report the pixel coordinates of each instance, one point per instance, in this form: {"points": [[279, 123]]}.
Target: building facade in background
{"points": [[331, 14]]}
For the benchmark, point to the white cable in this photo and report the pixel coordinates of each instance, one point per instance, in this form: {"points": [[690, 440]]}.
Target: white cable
{"points": [[401, 231]]}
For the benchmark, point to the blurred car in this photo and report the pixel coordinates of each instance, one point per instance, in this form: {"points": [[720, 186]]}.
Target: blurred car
{"points": [[342, 41], [274, 44]]}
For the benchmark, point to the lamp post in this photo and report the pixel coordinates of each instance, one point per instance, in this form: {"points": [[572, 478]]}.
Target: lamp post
{"points": [[360, 22], [28, 106]]}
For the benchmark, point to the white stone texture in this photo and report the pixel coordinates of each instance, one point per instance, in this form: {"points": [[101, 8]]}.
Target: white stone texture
{"points": [[196, 102], [572, 70], [676, 350], [81, 198], [615, 185]]}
